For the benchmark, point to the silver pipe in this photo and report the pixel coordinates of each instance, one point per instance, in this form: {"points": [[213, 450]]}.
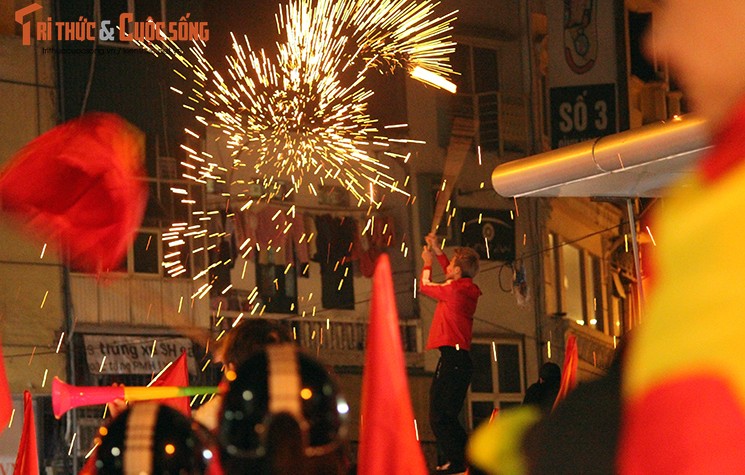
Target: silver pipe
{"points": [[683, 135]]}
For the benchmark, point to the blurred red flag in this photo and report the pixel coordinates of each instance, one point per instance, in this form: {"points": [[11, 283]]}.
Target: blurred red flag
{"points": [[569, 372], [27, 460], [90, 466], [6, 401], [176, 375], [79, 188], [388, 444]]}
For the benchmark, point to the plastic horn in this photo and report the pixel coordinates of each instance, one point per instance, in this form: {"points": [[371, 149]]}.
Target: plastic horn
{"points": [[66, 396]]}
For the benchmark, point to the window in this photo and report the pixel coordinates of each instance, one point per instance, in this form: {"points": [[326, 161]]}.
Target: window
{"points": [[148, 251], [145, 252], [151, 245], [477, 96], [172, 201], [595, 293], [617, 313], [576, 286], [498, 378], [571, 283]]}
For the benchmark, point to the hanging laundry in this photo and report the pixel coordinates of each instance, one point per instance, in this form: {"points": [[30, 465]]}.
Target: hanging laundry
{"points": [[335, 242]]}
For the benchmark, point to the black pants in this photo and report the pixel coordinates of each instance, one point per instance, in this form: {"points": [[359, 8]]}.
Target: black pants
{"points": [[446, 396]]}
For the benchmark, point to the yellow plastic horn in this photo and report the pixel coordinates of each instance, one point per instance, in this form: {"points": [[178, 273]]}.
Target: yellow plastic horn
{"points": [[66, 396]]}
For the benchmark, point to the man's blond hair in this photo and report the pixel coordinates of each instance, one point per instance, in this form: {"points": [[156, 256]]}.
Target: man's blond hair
{"points": [[468, 261]]}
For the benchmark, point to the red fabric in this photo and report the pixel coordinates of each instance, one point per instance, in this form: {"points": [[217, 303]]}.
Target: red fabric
{"points": [[452, 323], [727, 153], [6, 401], [265, 230], [215, 468], [78, 188], [27, 460], [569, 372], [688, 426], [176, 375], [370, 245], [388, 444], [90, 466]]}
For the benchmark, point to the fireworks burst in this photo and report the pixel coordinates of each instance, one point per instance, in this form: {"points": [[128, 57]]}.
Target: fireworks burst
{"points": [[303, 113]]}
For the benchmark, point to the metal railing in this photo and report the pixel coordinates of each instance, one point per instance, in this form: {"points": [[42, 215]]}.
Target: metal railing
{"points": [[594, 348], [502, 120], [348, 334], [339, 341]]}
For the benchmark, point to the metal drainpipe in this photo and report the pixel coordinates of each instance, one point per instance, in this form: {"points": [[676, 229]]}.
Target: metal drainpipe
{"points": [[535, 223], [72, 418], [528, 72], [539, 304], [635, 246]]}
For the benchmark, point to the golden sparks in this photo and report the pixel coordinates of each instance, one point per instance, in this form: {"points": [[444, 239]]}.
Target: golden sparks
{"points": [[302, 113], [59, 343], [72, 443]]}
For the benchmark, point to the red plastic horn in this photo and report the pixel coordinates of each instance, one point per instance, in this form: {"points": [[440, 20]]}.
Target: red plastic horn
{"points": [[66, 396]]}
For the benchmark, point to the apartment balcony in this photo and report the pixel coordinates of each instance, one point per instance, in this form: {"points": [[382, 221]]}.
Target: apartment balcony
{"points": [[135, 300], [595, 349], [339, 341], [502, 121]]}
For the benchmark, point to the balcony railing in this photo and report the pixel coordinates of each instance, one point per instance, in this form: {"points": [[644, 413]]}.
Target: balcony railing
{"points": [[502, 120], [595, 349], [341, 341]]}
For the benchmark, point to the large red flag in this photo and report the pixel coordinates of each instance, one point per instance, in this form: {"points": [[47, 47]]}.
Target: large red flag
{"points": [[27, 460], [388, 444], [79, 188], [176, 375], [569, 372], [6, 401]]}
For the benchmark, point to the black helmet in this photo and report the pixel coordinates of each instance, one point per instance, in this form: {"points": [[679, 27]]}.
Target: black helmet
{"points": [[153, 439], [282, 404]]}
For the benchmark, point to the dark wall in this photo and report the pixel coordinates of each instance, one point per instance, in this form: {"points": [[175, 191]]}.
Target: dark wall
{"points": [[124, 80]]}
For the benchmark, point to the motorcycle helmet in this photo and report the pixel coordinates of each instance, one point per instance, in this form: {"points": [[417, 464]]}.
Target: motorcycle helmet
{"points": [[282, 410], [153, 439]]}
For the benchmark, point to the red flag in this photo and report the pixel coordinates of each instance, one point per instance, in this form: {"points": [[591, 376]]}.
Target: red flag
{"points": [[176, 375], [6, 401], [78, 187], [90, 465], [27, 460], [569, 372], [388, 444]]}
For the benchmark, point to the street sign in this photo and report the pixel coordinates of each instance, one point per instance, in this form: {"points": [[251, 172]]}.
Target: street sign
{"points": [[580, 113]]}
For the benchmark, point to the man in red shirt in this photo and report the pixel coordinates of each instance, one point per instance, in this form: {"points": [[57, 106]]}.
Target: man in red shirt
{"points": [[450, 332]]}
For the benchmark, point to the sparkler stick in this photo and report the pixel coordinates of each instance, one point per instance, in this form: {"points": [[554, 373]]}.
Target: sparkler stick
{"points": [[460, 142]]}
